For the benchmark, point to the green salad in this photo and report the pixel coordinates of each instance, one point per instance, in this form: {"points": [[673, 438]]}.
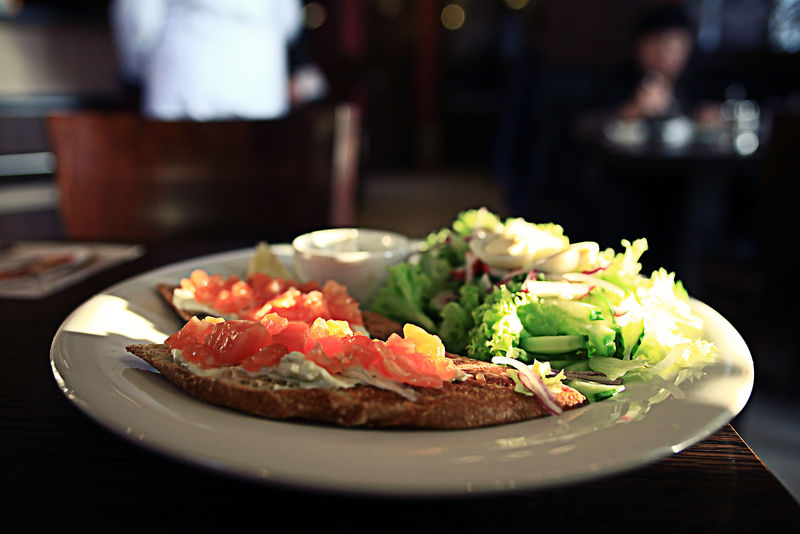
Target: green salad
{"points": [[521, 294]]}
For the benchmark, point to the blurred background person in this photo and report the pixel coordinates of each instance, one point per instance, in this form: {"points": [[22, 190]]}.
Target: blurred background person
{"points": [[663, 43], [653, 84], [205, 59]]}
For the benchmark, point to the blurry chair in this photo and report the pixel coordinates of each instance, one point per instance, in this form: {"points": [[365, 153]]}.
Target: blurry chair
{"points": [[124, 177]]}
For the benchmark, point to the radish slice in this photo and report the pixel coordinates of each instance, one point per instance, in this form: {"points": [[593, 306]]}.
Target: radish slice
{"points": [[567, 290], [532, 381], [469, 257], [596, 282]]}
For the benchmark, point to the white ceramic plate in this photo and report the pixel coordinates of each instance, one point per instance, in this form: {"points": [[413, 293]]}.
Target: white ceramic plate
{"points": [[127, 396]]}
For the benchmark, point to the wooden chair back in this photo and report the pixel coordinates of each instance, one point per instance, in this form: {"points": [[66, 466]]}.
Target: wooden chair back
{"points": [[124, 177]]}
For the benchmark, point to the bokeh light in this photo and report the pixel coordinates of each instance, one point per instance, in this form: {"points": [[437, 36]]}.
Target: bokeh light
{"points": [[314, 15], [516, 4], [453, 16]]}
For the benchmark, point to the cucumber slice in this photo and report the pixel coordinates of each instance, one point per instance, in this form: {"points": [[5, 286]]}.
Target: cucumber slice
{"points": [[595, 391], [553, 344], [564, 359]]}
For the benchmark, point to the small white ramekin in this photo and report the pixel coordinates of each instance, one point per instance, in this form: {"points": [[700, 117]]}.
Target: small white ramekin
{"points": [[355, 257]]}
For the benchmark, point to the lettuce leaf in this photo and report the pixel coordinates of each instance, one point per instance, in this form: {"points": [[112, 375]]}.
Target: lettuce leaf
{"points": [[469, 221], [403, 297], [413, 292], [456, 324], [497, 327], [457, 320], [624, 268], [443, 252], [614, 368]]}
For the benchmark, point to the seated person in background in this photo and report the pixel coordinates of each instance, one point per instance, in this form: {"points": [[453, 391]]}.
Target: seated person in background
{"points": [[652, 85], [662, 48]]}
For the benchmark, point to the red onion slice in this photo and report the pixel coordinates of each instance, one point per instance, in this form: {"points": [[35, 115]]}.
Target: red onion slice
{"points": [[532, 381]]}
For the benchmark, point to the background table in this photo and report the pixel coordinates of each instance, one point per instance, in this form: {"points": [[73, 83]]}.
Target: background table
{"points": [[70, 471]]}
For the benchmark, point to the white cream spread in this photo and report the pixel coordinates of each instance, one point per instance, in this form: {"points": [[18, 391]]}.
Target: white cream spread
{"points": [[184, 300], [295, 371]]}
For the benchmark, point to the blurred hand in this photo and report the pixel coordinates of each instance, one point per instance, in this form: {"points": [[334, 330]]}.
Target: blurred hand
{"points": [[708, 113], [307, 84], [652, 98]]}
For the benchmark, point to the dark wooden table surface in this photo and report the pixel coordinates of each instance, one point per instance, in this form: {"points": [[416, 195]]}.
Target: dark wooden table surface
{"points": [[60, 468]]}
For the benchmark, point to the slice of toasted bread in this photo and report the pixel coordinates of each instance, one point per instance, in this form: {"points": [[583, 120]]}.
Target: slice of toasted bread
{"points": [[485, 398]]}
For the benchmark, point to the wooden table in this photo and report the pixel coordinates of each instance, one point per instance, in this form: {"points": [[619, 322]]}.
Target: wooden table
{"points": [[70, 471]]}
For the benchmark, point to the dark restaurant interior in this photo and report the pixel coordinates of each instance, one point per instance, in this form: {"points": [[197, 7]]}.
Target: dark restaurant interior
{"points": [[454, 104]]}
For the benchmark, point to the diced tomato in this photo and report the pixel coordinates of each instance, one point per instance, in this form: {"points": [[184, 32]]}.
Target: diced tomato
{"points": [[279, 316], [268, 356], [397, 354], [293, 337], [262, 294], [331, 363], [357, 350], [265, 287], [256, 313], [297, 306], [242, 293], [417, 359], [207, 287], [424, 343], [390, 363], [328, 334], [225, 302], [384, 362], [307, 287], [431, 373], [309, 307], [194, 331], [341, 305], [236, 340], [274, 323], [431, 348], [314, 305], [284, 301], [187, 285]]}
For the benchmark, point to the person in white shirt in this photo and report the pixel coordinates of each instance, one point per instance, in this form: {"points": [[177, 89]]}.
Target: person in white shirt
{"points": [[208, 59]]}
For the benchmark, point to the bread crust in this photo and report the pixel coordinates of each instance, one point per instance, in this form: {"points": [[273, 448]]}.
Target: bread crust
{"points": [[485, 398]]}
